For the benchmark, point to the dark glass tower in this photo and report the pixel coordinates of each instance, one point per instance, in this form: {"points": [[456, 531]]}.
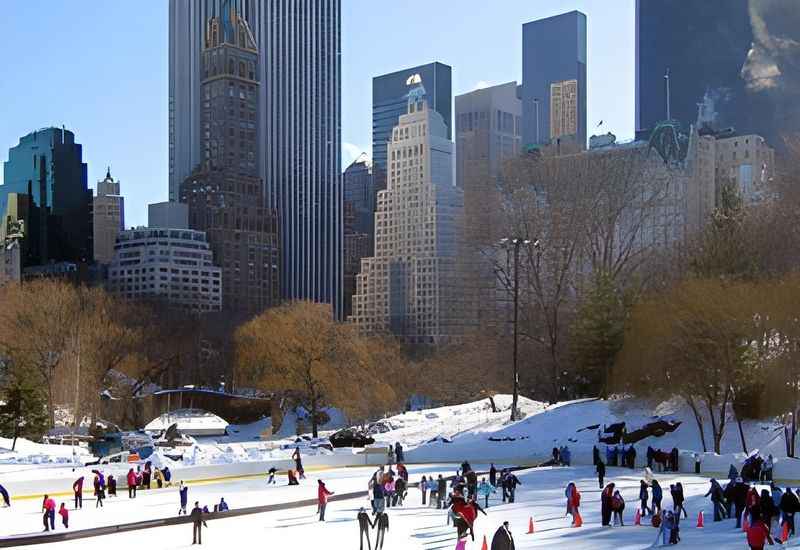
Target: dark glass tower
{"points": [[48, 167], [554, 61], [745, 55], [390, 100]]}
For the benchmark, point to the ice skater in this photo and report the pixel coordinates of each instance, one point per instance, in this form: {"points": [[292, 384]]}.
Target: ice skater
{"points": [[197, 524], [183, 491], [6, 498], [271, 479], [322, 498], [364, 525], [64, 513], [77, 490], [298, 463], [382, 522]]}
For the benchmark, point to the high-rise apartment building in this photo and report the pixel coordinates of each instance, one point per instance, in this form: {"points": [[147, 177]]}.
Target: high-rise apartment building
{"points": [[108, 218], [173, 265], [410, 286], [47, 168], [390, 102], [225, 193], [554, 79], [299, 155], [741, 53], [359, 222]]}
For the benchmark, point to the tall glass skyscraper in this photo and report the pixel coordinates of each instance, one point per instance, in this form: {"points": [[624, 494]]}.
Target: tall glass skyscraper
{"points": [[554, 79], [47, 166], [390, 101], [742, 54], [299, 124]]}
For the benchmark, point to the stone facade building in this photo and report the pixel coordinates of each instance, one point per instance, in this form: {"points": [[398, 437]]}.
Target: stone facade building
{"points": [[108, 218], [410, 287]]}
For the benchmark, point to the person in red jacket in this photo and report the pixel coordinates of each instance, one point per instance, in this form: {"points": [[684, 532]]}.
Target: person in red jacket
{"points": [[758, 534], [49, 509], [322, 498], [131, 483], [64, 513], [753, 502], [77, 488]]}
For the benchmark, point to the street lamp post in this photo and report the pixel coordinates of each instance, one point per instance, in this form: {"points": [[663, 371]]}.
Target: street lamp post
{"points": [[517, 242]]}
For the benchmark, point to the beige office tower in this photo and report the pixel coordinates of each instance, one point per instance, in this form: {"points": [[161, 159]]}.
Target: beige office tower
{"points": [[411, 287], [108, 218], [563, 108]]}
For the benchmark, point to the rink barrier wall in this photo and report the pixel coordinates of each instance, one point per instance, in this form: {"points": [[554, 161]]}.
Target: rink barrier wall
{"points": [[62, 536]]}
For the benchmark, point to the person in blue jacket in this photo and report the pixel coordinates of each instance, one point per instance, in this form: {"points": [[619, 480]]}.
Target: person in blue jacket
{"points": [[184, 493], [223, 506], [485, 489], [658, 495]]}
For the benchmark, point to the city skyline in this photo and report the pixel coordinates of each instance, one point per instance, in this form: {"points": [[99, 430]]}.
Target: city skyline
{"points": [[110, 100]]}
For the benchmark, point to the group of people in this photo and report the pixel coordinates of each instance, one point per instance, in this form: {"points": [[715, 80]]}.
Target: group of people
{"points": [[395, 454], [562, 456], [389, 487], [774, 507], [757, 468]]}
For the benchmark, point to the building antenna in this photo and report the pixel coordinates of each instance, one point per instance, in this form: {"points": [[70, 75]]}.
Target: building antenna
{"points": [[666, 78]]}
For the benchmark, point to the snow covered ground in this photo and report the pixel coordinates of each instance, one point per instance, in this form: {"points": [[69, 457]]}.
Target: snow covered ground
{"points": [[412, 527]]}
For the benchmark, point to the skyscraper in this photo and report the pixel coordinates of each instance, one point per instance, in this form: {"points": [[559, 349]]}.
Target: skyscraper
{"points": [[299, 157], [359, 222], [108, 218], [225, 194], [410, 286], [48, 167], [390, 102], [742, 54], [554, 62]]}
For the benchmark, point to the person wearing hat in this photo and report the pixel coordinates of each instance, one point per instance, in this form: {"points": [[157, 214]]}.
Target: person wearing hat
{"points": [[502, 539]]}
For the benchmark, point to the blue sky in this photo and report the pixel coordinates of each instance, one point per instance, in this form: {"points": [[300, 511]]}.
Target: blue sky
{"points": [[100, 68]]}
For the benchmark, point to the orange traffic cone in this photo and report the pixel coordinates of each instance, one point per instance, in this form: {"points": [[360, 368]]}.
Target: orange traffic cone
{"points": [[531, 527], [637, 517], [484, 546], [785, 534], [700, 519]]}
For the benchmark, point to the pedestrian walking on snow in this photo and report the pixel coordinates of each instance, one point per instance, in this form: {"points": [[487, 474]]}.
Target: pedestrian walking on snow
{"points": [[502, 539], [322, 498], [49, 513], [364, 526]]}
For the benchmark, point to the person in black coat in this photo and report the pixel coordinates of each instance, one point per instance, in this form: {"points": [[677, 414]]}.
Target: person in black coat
{"points": [[595, 456], [739, 497], [364, 525], [789, 505], [382, 523], [601, 472], [643, 496], [197, 524], [441, 495], [502, 539], [493, 475]]}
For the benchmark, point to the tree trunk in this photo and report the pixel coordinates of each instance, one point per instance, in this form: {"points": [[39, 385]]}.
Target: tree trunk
{"points": [[699, 419], [314, 426], [50, 407], [491, 402], [741, 434]]}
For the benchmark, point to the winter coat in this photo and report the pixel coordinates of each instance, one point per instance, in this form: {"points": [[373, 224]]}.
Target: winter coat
{"points": [[617, 502], [739, 494], [789, 502], [442, 486], [377, 491], [63, 512], [733, 473], [184, 494], [322, 494], [643, 494], [197, 515], [400, 486], [493, 475], [502, 539], [777, 494], [223, 506], [658, 494], [757, 534], [485, 489], [49, 504], [601, 468], [167, 474], [77, 487], [131, 478]]}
